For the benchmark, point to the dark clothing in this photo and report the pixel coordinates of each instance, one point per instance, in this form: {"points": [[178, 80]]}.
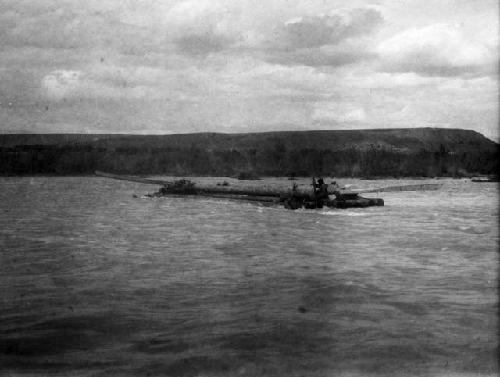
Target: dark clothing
{"points": [[322, 191]]}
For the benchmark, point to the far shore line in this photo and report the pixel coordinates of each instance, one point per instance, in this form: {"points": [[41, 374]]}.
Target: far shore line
{"points": [[234, 177]]}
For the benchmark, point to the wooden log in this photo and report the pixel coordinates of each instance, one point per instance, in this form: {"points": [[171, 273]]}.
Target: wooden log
{"points": [[200, 189], [304, 192], [262, 199], [251, 191], [132, 178], [417, 187]]}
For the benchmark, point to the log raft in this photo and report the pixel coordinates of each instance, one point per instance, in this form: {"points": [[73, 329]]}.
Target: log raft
{"points": [[296, 197]]}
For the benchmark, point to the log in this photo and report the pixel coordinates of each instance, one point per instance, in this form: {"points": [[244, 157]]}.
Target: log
{"points": [[417, 187], [207, 190], [132, 178], [300, 191]]}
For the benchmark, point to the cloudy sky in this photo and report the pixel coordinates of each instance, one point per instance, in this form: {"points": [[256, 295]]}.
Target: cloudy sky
{"points": [[179, 66]]}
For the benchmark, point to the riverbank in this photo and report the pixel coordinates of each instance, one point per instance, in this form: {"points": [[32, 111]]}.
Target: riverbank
{"points": [[423, 152]]}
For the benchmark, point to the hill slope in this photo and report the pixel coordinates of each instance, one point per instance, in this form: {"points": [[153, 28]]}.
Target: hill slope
{"points": [[382, 152]]}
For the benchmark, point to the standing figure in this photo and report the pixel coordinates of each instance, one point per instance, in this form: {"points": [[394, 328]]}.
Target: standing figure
{"points": [[320, 192]]}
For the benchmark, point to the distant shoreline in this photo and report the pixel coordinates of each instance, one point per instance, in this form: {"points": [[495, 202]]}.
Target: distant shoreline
{"points": [[223, 176], [372, 154]]}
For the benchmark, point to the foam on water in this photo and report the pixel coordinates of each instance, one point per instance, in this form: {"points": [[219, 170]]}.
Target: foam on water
{"points": [[343, 213]]}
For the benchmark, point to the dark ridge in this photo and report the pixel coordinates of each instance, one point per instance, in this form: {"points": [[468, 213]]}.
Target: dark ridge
{"points": [[426, 152]]}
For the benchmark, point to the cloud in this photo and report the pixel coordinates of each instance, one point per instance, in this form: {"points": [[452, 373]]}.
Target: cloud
{"points": [[49, 28], [202, 44], [107, 83], [66, 25], [335, 40], [201, 27], [191, 28], [207, 64], [344, 53], [60, 84], [338, 112], [321, 30], [436, 50]]}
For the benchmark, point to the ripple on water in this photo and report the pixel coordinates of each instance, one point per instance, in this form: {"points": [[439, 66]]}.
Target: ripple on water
{"points": [[97, 282]]}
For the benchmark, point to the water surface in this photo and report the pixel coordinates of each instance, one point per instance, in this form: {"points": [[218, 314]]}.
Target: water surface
{"points": [[95, 282]]}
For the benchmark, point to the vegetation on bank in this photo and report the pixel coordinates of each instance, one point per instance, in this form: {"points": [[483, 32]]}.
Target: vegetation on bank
{"points": [[367, 154]]}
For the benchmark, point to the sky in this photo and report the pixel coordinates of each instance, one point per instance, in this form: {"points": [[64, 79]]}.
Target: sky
{"points": [[182, 66]]}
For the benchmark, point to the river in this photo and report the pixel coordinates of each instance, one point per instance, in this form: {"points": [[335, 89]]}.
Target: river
{"points": [[96, 282]]}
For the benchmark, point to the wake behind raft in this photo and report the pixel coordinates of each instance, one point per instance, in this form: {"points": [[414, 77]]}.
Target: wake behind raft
{"points": [[321, 195]]}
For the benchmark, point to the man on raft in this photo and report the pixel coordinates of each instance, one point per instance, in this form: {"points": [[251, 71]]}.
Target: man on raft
{"points": [[320, 192]]}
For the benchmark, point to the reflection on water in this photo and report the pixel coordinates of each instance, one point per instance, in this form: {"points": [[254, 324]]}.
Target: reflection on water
{"points": [[96, 282]]}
